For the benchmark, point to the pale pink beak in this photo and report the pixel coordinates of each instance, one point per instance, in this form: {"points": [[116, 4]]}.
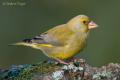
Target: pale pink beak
{"points": [[92, 25]]}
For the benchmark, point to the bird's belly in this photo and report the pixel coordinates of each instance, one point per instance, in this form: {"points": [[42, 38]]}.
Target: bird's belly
{"points": [[63, 53]]}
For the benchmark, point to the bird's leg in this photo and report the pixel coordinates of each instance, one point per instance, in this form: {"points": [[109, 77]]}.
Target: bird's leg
{"points": [[61, 61], [71, 59]]}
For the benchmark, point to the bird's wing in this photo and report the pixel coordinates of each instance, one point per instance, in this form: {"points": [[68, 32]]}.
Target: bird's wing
{"points": [[56, 36]]}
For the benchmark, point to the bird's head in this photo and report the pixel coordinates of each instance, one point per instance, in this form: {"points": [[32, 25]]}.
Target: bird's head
{"points": [[81, 23]]}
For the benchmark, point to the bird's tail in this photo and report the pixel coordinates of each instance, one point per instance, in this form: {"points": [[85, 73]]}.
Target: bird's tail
{"points": [[31, 43], [25, 42], [21, 43]]}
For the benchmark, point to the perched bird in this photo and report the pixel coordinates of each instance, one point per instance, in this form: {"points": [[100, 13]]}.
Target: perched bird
{"points": [[63, 41]]}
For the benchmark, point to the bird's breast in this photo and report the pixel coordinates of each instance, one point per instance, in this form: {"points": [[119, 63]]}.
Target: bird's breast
{"points": [[75, 48]]}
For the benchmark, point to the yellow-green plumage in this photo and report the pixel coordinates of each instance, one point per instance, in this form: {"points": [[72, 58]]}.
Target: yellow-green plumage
{"points": [[63, 41], [70, 43]]}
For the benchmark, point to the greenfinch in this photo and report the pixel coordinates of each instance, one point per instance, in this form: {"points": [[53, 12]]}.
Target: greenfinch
{"points": [[63, 41]]}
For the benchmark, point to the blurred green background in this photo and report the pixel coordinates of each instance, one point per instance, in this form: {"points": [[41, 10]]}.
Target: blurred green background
{"points": [[36, 16]]}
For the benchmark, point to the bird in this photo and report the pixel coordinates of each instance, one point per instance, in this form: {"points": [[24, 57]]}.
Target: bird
{"points": [[63, 41]]}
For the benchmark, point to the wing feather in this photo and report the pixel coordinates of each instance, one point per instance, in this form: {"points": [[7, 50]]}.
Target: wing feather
{"points": [[56, 36]]}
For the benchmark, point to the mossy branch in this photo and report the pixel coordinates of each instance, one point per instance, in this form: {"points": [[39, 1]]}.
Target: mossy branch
{"points": [[78, 69]]}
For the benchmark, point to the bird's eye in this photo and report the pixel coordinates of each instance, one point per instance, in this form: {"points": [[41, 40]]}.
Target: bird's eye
{"points": [[85, 22]]}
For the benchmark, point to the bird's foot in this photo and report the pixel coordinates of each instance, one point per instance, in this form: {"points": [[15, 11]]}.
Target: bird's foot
{"points": [[79, 61], [75, 59], [61, 61]]}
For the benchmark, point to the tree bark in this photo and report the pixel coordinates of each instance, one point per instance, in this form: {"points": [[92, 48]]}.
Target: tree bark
{"points": [[77, 69]]}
